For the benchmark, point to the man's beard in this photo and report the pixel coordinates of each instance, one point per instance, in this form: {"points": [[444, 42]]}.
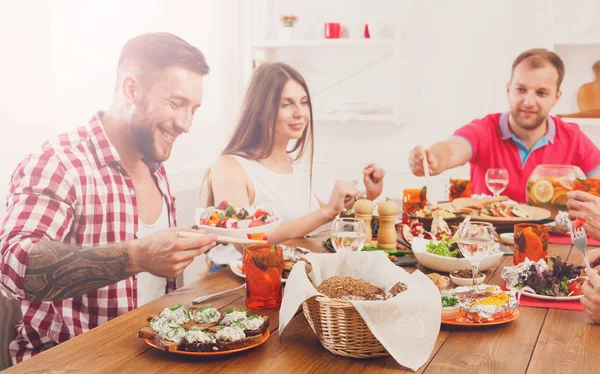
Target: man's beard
{"points": [[529, 125], [143, 136]]}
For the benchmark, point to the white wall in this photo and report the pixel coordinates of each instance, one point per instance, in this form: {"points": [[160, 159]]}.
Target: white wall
{"points": [[59, 59]]}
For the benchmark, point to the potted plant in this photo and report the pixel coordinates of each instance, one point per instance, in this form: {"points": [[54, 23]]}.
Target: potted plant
{"points": [[287, 23]]}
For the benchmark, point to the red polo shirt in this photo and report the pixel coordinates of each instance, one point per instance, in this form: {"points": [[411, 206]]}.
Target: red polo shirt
{"points": [[493, 145]]}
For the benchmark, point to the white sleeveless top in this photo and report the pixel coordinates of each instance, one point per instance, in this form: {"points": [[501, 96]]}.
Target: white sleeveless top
{"points": [[288, 194], [150, 287]]}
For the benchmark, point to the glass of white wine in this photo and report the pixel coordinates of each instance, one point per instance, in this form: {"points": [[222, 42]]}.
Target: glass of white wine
{"points": [[348, 234], [496, 180], [476, 240]]}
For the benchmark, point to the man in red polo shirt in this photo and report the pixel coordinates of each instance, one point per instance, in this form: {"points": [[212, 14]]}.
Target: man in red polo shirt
{"points": [[520, 139]]}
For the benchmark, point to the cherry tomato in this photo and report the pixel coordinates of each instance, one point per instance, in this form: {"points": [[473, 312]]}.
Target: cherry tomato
{"points": [[575, 288], [579, 222]]}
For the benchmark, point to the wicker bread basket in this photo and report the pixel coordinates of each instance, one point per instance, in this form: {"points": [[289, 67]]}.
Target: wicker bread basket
{"points": [[340, 329]]}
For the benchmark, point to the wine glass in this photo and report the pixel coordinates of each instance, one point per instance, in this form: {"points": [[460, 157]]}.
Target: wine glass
{"points": [[476, 240], [348, 234], [496, 180]]}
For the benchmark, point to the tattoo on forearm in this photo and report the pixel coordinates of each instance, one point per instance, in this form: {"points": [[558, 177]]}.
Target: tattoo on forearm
{"points": [[60, 271]]}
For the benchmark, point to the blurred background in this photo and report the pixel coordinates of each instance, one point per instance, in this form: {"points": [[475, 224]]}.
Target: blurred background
{"points": [[428, 68]]}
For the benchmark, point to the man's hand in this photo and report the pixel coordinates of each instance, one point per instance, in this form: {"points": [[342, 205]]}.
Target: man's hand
{"points": [[591, 295], [415, 160], [343, 192], [587, 206], [165, 254], [373, 179]]}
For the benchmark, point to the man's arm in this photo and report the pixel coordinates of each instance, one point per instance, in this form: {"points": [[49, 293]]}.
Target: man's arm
{"points": [[441, 156], [60, 271]]}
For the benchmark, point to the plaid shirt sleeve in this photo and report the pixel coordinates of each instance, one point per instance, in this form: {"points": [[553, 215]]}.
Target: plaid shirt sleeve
{"points": [[39, 207]]}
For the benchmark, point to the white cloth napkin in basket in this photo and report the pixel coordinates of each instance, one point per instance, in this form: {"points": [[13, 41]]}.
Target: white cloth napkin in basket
{"points": [[406, 325]]}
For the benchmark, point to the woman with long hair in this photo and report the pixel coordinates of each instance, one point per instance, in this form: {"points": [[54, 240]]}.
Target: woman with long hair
{"points": [[260, 164]]}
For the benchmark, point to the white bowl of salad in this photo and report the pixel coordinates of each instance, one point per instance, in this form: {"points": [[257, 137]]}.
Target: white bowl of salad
{"points": [[252, 222], [442, 256]]}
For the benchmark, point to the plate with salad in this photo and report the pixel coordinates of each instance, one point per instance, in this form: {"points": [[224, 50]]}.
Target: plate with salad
{"points": [[444, 255], [251, 222], [537, 280]]}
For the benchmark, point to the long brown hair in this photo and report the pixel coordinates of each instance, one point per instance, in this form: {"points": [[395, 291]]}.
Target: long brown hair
{"points": [[254, 134]]}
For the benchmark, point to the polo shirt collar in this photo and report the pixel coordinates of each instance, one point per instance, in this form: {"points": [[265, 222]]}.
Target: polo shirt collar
{"points": [[506, 133]]}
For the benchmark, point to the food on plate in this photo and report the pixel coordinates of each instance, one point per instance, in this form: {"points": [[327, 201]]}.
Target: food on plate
{"points": [[466, 273], [392, 253], [579, 222], [497, 209], [440, 281], [483, 303], [242, 218], [439, 227], [348, 288], [459, 188], [450, 308], [449, 301], [291, 255], [429, 212], [561, 224], [537, 276], [204, 329], [374, 221], [445, 247]]}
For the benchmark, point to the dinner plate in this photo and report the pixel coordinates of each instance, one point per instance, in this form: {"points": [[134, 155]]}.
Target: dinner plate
{"points": [[535, 213], [236, 268], [450, 264], [461, 320], [399, 247], [216, 353], [546, 297]]}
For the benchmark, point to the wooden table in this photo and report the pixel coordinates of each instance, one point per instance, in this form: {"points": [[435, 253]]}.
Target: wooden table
{"points": [[539, 341]]}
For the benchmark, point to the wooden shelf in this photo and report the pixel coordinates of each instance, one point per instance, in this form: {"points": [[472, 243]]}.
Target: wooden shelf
{"points": [[576, 43], [277, 43]]}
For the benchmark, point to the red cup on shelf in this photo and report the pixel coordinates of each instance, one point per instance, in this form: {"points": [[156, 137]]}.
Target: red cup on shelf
{"points": [[333, 30]]}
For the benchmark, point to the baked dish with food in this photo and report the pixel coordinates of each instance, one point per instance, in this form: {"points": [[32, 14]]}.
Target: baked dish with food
{"points": [[483, 303], [204, 329]]}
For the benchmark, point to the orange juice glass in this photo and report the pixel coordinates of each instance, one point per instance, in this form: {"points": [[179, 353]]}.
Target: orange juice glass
{"points": [[531, 241], [459, 188], [414, 199], [263, 264]]}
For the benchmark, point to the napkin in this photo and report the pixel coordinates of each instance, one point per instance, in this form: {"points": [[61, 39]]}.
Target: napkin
{"points": [[551, 304], [407, 325], [558, 239]]}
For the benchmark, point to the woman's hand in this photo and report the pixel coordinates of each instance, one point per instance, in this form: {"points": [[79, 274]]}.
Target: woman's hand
{"points": [[343, 192], [373, 179], [587, 206]]}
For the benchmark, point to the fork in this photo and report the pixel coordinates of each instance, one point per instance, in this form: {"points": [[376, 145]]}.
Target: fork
{"points": [[579, 239]]}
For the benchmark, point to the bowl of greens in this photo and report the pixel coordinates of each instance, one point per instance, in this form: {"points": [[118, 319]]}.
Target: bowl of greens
{"points": [[444, 255]]}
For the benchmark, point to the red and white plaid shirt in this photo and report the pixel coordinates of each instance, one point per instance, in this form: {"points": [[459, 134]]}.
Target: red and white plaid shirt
{"points": [[75, 191]]}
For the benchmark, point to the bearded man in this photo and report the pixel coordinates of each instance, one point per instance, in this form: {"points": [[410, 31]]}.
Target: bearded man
{"points": [[90, 229], [520, 139]]}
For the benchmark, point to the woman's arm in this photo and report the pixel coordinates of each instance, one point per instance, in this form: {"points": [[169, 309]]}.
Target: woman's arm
{"points": [[229, 181], [343, 193]]}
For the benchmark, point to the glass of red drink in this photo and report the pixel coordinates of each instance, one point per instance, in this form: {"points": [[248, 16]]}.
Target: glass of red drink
{"points": [[531, 241], [263, 264]]}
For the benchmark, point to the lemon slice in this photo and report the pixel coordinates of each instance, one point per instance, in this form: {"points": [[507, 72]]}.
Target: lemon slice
{"points": [[542, 190], [560, 199], [567, 183]]}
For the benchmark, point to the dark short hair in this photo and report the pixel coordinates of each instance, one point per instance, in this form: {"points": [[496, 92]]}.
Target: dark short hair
{"points": [[159, 50], [539, 57]]}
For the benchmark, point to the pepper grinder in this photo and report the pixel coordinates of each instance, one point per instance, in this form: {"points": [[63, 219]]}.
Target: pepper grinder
{"points": [[363, 209], [386, 238]]}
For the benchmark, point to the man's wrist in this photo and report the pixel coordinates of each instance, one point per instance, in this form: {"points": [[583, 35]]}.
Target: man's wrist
{"points": [[133, 264]]}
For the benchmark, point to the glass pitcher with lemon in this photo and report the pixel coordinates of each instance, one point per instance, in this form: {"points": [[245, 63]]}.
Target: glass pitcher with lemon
{"points": [[548, 185]]}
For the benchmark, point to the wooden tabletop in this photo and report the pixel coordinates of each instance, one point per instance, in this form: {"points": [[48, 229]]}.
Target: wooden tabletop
{"points": [[539, 341]]}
